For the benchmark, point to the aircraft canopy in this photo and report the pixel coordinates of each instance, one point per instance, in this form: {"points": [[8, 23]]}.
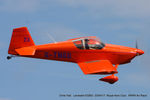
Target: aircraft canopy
{"points": [[89, 43]]}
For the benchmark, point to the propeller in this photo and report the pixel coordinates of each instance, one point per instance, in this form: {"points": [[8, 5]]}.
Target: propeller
{"points": [[139, 52], [136, 46]]}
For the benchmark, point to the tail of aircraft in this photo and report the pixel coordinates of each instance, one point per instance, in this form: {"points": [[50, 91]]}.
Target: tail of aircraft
{"points": [[20, 38]]}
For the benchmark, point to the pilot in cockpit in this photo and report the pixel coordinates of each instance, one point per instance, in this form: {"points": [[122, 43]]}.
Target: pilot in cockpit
{"points": [[93, 44], [86, 43], [89, 44]]}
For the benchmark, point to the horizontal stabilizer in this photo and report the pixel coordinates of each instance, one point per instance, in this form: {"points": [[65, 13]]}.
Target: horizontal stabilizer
{"points": [[25, 51]]}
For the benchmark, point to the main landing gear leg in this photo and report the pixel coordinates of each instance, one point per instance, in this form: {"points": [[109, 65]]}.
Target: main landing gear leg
{"points": [[116, 66], [110, 79]]}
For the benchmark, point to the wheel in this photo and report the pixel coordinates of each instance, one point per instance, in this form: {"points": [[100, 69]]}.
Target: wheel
{"points": [[8, 57]]}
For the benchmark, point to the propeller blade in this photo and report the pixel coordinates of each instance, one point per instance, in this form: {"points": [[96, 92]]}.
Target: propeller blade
{"points": [[139, 52], [136, 45]]}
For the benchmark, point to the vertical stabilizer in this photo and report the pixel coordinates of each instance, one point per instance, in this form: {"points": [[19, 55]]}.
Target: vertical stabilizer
{"points": [[20, 38]]}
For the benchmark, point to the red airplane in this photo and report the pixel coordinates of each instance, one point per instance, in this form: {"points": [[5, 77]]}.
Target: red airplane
{"points": [[91, 54]]}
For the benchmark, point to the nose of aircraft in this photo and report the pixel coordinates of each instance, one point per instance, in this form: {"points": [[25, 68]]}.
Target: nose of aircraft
{"points": [[139, 52]]}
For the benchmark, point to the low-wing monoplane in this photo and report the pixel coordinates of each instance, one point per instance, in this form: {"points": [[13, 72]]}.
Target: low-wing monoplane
{"points": [[92, 55]]}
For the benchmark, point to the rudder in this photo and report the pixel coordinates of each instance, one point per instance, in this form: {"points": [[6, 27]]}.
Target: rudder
{"points": [[20, 38]]}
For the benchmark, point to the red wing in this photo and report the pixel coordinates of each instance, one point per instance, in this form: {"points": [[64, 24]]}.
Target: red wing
{"points": [[97, 67]]}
